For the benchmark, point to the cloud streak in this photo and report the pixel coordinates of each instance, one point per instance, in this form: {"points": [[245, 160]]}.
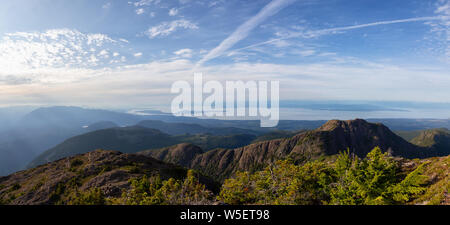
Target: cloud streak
{"points": [[166, 28], [316, 33], [244, 30]]}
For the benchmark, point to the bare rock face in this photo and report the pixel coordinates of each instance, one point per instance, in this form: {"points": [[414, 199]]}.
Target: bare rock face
{"points": [[358, 136], [109, 171]]}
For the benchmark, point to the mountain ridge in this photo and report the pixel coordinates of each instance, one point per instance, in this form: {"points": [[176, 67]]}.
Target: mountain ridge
{"points": [[335, 136]]}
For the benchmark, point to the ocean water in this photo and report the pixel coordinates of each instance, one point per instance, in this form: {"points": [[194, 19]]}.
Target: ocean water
{"points": [[319, 114], [309, 114]]}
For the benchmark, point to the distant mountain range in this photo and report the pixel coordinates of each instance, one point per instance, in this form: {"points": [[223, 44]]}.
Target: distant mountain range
{"points": [[334, 136], [127, 140], [111, 171], [31, 133], [187, 128], [44, 128], [26, 132], [138, 138]]}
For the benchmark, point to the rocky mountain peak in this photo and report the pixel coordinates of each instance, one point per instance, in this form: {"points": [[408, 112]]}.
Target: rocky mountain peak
{"points": [[347, 125]]}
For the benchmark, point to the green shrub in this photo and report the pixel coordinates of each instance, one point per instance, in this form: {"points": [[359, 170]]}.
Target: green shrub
{"points": [[93, 196], [348, 181], [76, 163], [154, 191]]}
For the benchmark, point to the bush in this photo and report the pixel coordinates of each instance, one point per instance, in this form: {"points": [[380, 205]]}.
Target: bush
{"points": [[282, 183], [154, 191], [76, 163], [93, 196], [348, 181]]}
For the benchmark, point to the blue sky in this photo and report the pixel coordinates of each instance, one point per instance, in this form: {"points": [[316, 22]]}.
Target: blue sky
{"points": [[127, 53]]}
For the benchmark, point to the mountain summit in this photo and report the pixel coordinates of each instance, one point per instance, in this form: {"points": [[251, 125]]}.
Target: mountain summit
{"points": [[360, 136]]}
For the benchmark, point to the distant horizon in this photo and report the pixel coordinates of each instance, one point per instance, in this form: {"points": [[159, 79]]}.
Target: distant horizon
{"points": [[309, 110]]}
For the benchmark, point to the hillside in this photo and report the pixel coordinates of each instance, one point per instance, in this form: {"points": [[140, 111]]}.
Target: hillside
{"points": [[134, 139], [38, 130], [181, 154], [100, 126], [209, 142], [436, 139], [190, 128], [437, 170], [276, 135], [65, 179], [408, 135], [333, 137], [110, 177], [124, 139]]}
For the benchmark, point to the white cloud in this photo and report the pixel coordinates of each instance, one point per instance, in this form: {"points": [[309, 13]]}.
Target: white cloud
{"points": [[173, 12], [184, 1], [146, 2], [185, 53], [30, 55], [440, 30], [138, 54], [104, 54], [443, 7], [243, 30], [107, 5], [281, 43], [140, 11], [304, 52], [167, 28], [132, 85], [215, 3]]}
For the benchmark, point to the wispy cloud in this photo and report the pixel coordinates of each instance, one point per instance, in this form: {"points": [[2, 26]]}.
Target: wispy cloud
{"points": [[184, 1], [316, 33], [167, 28], [185, 53], [215, 3], [145, 2], [244, 30], [107, 5], [440, 29]]}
